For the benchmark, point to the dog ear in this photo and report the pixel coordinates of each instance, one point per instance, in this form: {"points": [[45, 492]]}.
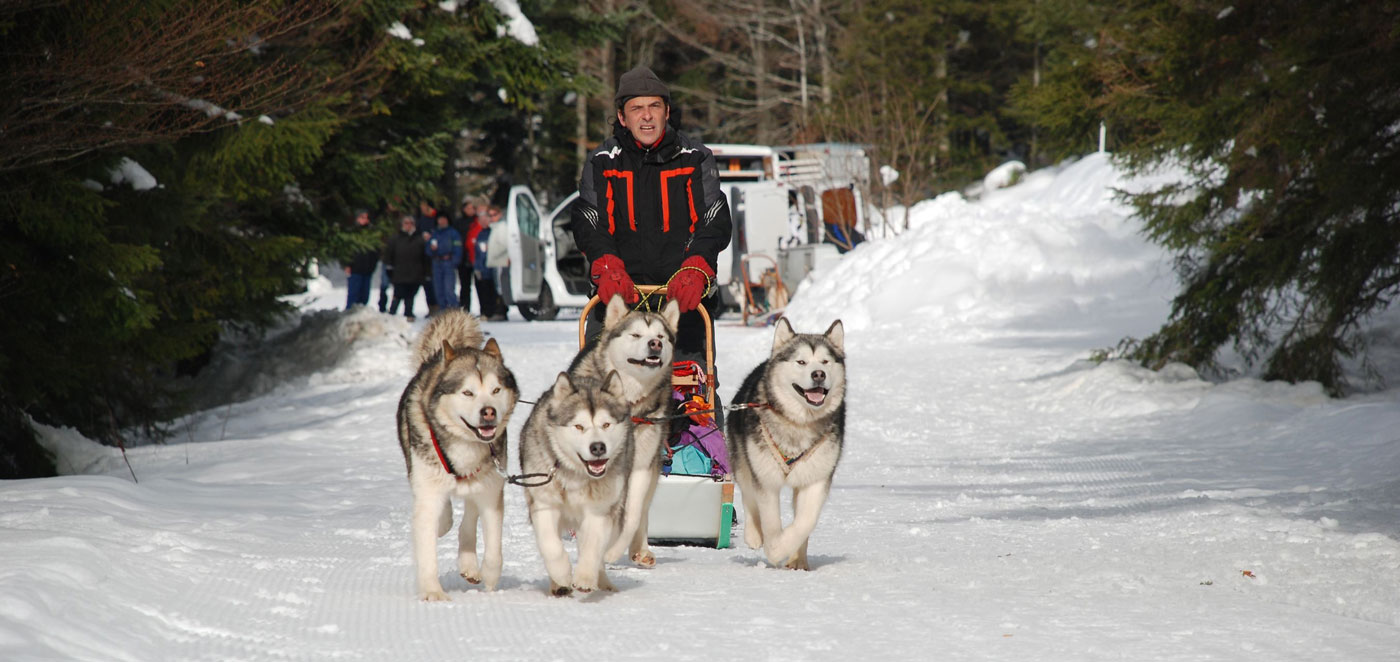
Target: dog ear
{"points": [[492, 348], [617, 309], [612, 385], [782, 333], [562, 385], [836, 335], [447, 352], [671, 314]]}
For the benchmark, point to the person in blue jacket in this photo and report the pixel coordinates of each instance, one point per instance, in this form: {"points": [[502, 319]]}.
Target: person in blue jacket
{"points": [[444, 250]]}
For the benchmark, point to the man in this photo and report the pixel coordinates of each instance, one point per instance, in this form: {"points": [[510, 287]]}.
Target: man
{"points": [[426, 223], [404, 255], [360, 271], [445, 250], [650, 210], [467, 226], [492, 307]]}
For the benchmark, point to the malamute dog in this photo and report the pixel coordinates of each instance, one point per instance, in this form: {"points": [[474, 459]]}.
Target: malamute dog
{"points": [[452, 428], [793, 438], [579, 437], [637, 345]]}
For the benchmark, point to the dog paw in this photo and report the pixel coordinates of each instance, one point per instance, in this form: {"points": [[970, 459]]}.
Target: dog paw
{"points": [[796, 563], [559, 591], [644, 559], [753, 537], [472, 578], [606, 584], [584, 588], [434, 596]]}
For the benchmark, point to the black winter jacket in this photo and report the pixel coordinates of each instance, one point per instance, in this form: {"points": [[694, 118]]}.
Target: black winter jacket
{"points": [[404, 254], [651, 207]]}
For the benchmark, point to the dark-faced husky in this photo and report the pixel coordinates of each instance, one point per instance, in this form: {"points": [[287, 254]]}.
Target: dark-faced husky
{"points": [[578, 437], [792, 437], [452, 428], [637, 345]]}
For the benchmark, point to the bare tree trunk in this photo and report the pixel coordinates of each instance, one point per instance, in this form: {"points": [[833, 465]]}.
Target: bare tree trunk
{"points": [[802, 59], [761, 87], [940, 73], [823, 50]]}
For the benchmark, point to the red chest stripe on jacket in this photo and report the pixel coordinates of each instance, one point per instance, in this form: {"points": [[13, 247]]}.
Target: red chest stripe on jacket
{"points": [[666, 197], [626, 177]]}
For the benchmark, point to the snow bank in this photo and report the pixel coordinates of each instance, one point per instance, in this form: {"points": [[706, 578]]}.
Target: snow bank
{"points": [[1053, 251]]}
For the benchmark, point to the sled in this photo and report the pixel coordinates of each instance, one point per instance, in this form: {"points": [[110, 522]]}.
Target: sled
{"points": [[764, 297], [694, 500]]}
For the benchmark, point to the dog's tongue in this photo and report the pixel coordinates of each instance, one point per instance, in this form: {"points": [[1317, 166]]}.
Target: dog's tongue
{"points": [[815, 395]]}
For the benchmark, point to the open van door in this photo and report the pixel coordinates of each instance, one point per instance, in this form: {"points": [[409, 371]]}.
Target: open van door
{"points": [[526, 250]]}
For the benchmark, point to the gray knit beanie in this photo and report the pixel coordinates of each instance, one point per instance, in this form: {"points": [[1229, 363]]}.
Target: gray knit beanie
{"points": [[640, 82]]}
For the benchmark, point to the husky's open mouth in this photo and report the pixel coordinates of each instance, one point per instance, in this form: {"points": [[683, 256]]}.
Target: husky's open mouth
{"points": [[648, 362], [596, 468], [814, 396], [484, 433]]}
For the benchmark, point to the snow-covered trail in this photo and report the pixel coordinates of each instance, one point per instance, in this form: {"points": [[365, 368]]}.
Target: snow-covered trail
{"points": [[995, 502]]}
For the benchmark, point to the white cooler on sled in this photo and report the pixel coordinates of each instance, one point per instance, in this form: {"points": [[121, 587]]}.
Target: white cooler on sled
{"points": [[691, 510]]}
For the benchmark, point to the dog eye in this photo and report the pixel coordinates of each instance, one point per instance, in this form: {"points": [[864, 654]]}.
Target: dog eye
{"points": [[801, 362], [607, 425], [468, 393], [498, 389], [636, 335], [578, 427]]}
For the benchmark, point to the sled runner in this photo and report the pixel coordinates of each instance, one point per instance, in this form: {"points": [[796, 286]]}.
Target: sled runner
{"points": [[694, 499], [764, 297]]}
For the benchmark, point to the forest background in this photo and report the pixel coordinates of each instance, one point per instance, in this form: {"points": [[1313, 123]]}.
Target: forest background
{"points": [[170, 169]]}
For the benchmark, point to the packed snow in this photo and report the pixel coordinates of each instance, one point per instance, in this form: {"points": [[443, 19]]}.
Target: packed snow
{"points": [[1000, 497]]}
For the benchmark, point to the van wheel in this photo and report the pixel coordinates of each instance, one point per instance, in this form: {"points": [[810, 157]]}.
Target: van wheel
{"points": [[544, 309]]}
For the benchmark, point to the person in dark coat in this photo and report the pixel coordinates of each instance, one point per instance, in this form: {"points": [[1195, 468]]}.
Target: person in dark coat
{"points": [[408, 263], [651, 211], [426, 223], [359, 271]]}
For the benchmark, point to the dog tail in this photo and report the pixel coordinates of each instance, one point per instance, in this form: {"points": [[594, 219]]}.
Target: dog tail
{"points": [[454, 326]]}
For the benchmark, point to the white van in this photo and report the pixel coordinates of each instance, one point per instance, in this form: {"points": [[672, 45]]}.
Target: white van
{"points": [[547, 271]]}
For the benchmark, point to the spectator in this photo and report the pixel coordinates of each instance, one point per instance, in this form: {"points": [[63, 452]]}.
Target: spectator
{"points": [[407, 262], [467, 226], [426, 223], [360, 270], [483, 275], [445, 250], [498, 261]]}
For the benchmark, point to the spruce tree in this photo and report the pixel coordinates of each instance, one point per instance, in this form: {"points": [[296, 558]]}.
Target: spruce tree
{"points": [[1287, 234]]}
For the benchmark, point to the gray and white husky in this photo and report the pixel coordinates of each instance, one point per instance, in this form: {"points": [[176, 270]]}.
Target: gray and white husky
{"points": [[452, 428], [792, 438], [579, 438], [637, 345]]}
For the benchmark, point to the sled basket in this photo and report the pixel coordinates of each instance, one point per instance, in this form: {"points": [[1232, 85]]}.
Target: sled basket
{"points": [[694, 499]]}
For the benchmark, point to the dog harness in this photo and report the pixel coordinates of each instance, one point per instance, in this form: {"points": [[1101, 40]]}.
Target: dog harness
{"points": [[447, 465], [784, 461]]}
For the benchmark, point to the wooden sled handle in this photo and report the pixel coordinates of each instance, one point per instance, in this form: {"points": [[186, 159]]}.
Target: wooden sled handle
{"points": [[648, 290]]}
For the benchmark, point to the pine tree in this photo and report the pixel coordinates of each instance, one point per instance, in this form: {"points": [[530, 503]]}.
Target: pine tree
{"points": [[1287, 236], [264, 123]]}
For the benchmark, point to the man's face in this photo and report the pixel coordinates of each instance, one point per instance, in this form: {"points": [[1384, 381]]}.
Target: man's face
{"points": [[406, 224], [362, 219], [645, 117], [493, 216], [442, 221]]}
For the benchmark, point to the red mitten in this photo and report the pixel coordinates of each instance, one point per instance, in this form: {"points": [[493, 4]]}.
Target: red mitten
{"points": [[610, 275], [689, 284]]}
